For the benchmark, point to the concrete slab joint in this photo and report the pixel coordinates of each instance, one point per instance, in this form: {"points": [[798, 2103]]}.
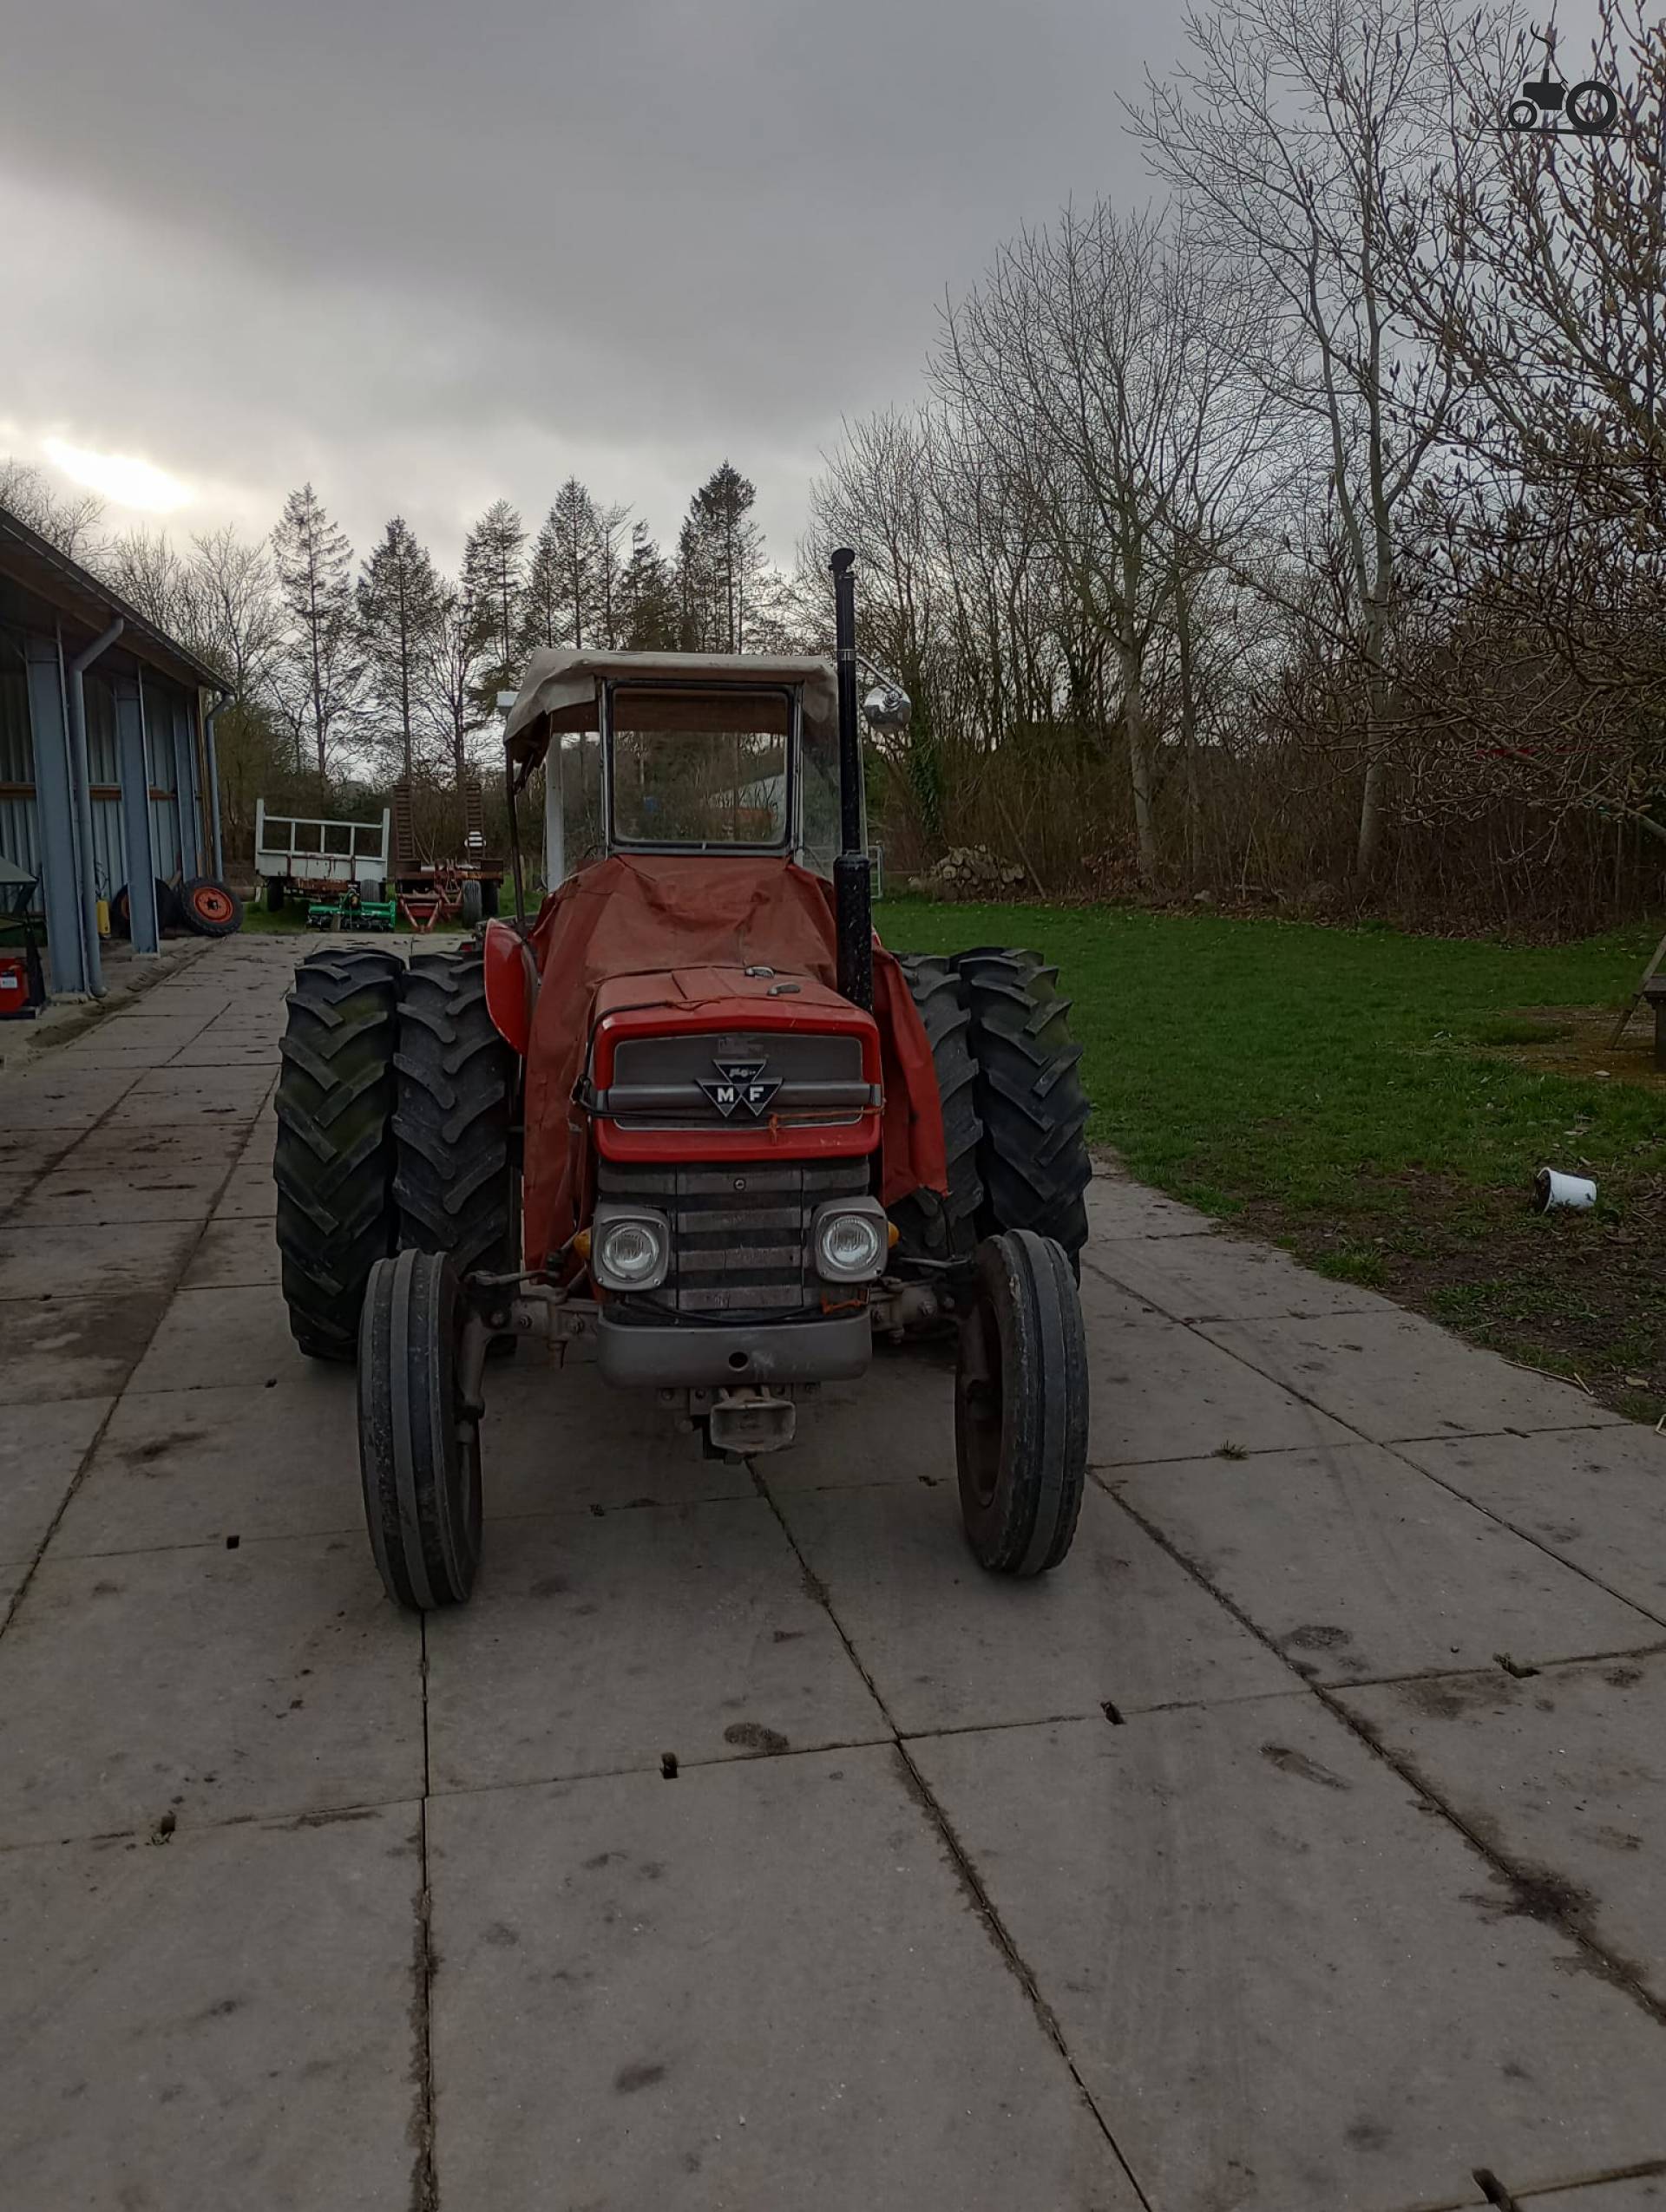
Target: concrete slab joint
{"points": [[1299, 1846]]}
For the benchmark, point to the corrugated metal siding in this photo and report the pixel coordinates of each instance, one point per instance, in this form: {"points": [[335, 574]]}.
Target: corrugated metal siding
{"points": [[16, 752], [18, 839], [166, 711], [109, 853], [103, 760], [165, 837], [164, 776]]}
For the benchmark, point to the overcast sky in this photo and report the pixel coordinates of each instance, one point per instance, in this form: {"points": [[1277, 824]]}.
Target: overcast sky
{"points": [[428, 253]]}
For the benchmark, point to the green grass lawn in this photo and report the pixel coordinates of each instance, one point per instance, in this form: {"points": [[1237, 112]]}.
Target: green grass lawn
{"points": [[1347, 1093]]}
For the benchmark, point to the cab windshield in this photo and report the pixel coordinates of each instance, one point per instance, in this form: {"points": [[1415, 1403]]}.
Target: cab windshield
{"points": [[701, 767]]}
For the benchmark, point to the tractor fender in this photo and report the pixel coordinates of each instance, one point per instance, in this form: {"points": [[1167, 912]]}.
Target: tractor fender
{"points": [[511, 984]]}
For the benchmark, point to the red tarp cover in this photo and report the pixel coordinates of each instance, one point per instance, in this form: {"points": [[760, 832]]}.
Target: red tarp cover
{"points": [[635, 914]]}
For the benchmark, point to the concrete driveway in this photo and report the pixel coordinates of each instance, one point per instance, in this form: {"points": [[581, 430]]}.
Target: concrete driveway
{"points": [[1298, 1845]]}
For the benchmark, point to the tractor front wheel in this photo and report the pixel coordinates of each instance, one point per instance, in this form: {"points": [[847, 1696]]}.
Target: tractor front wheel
{"points": [[419, 1440], [1021, 1406]]}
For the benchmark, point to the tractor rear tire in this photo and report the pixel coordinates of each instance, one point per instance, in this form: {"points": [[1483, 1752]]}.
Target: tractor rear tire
{"points": [[1021, 1406], [470, 904], [333, 1162], [1033, 1157], [454, 1179], [929, 1226], [418, 1443], [210, 908]]}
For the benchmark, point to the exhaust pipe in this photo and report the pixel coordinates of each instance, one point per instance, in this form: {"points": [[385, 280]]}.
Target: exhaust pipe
{"points": [[853, 904]]}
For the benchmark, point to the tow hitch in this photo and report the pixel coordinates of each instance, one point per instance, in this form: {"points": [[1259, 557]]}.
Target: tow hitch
{"points": [[748, 1421]]}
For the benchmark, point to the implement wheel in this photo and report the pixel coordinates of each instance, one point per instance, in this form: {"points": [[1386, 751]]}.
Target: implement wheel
{"points": [[333, 1162], [1033, 1154], [210, 908], [930, 1227], [454, 1181], [1021, 1406], [418, 1442], [167, 909]]}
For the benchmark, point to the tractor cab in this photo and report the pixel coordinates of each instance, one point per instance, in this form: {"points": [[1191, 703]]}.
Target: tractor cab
{"points": [[680, 753], [689, 1119]]}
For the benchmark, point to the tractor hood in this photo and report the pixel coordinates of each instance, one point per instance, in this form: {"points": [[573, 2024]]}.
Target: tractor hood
{"points": [[663, 932], [780, 1001], [559, 689]]}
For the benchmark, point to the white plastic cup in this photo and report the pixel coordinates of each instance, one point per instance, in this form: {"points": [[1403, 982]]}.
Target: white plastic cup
{"points": [[1551, 1187]]}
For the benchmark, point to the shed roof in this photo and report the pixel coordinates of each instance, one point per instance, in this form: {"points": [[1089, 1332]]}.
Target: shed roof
{"points": [[37, 564], [560, 688]]}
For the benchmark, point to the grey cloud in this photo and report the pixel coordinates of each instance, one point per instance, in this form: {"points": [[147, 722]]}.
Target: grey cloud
{"points": [[487, 244]]}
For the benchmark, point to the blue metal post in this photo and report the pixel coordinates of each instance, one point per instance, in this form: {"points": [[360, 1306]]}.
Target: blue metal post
{"points": [[136, 813], [208, 722], [185, 786], [75, 692], [55, 816]]}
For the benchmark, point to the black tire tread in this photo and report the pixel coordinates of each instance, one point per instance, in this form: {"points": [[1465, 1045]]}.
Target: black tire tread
{"points": [[454, 1179], [930, 1226], [194, 922], [1031, 1523], [1034, 1158], [333, 1159], [421, 1483]]}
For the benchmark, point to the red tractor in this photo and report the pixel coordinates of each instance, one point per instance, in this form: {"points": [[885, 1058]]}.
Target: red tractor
{"points": [[692, 1118]]}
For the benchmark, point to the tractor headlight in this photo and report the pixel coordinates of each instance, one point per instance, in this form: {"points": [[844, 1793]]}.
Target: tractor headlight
{"points": [[850, 1241], [630, 1248]]}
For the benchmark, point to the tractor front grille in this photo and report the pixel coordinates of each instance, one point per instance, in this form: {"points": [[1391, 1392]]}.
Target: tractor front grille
{"points": [[740, 1234], [679, 1081]]}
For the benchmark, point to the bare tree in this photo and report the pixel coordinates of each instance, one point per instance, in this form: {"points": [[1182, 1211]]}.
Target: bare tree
{"points": [[70, 521], [1298, 131], [1105, 369], [154, 576], [239, 613]]}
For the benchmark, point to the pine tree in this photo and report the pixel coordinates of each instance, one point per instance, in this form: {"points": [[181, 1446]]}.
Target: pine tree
{"points": [[720, 557], [447, 676], [321, 674], [494, 586], [542, 606], [648, 616], [398, 604], [611, 525]]}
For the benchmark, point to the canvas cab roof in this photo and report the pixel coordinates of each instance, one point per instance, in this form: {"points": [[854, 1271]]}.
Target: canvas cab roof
{"points": [[562, 687]]}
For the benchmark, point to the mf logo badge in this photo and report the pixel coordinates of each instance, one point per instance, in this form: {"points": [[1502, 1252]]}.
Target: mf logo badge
{"points": [[741, 1087]]}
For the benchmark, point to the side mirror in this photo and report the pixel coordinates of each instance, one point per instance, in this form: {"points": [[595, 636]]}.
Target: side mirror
{"points": [[888, 707]]}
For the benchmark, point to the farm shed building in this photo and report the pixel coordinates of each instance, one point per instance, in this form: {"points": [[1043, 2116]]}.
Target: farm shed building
{"points": [[107, 768]]}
